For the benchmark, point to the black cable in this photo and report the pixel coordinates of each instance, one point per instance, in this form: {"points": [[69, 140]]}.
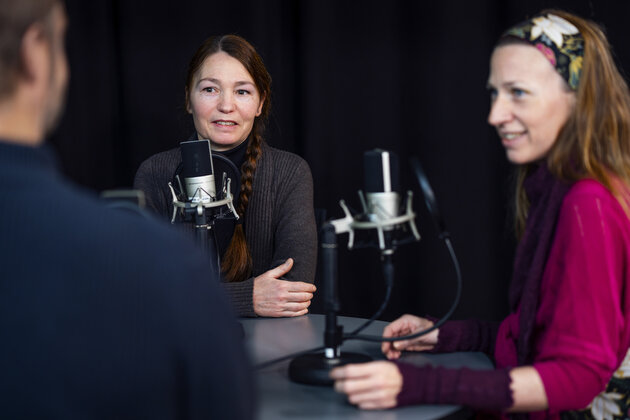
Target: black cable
{"points": [[388, 271], [388, 274], [375, 338], [288, 356]]}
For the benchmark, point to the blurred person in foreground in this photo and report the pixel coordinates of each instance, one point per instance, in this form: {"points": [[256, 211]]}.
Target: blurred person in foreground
{"points": [[562, 111], [103, 313]]}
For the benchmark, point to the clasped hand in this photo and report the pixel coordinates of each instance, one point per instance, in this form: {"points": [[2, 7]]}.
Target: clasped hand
{"points": [[274, 297], [376, 385]]}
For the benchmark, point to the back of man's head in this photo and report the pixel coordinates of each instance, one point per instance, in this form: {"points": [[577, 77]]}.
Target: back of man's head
{"points": [[16, 16]]}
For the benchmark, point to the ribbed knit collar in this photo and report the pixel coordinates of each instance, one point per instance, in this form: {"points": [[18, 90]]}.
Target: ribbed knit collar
{"points": [[32, 156]]}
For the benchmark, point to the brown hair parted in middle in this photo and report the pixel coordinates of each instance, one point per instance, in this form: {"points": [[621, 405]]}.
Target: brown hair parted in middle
{"points": [[237, 261]]}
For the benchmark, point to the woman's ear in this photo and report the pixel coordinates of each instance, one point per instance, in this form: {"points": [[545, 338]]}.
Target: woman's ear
{"points": [[260, 106], [187, 99]]}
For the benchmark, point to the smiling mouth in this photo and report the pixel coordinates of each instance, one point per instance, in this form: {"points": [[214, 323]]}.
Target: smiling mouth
{"points": [[225, 123], [510, 136]]}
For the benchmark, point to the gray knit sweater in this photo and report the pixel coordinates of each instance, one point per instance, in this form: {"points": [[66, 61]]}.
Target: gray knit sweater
{"points": [[279, 221]]}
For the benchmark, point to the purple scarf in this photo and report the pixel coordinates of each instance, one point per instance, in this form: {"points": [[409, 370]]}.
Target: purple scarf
{"points": [[545, 194]]}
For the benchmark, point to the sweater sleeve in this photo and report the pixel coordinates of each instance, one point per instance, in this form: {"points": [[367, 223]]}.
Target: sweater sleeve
{"points": [[467, 335], [151, 179], [479, 389], [295, 234], [241, 295], [581, 319]]}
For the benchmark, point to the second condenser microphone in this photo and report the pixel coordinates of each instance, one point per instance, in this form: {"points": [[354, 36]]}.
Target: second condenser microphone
{"points": [[197, 171], [381, 182]]}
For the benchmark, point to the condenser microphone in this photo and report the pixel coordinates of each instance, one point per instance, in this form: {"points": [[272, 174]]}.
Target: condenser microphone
{"points": [[197, 171], [381, 185]]}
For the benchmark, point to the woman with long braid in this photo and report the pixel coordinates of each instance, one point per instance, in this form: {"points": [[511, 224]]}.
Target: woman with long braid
{"points": [[269, 257]]}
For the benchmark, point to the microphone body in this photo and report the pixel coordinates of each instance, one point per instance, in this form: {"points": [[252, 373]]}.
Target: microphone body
{"points": [[197, 171], [381, 185]]}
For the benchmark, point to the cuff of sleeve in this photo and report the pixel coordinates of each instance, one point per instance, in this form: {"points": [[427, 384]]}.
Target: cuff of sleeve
{"points": [[477, 389], [241, 296], [466, 335], [451, 336]]}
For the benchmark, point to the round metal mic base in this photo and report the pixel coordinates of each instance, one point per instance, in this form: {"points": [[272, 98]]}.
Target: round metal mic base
{"points": [[314, 369]]}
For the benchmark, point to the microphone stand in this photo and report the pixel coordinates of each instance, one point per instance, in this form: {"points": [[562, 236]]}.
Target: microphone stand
{"points": [[205, 238], [204, 231], [314, 368]]}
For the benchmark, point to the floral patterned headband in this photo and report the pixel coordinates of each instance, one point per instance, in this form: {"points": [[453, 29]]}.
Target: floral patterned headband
{"points": [[558, 39]]}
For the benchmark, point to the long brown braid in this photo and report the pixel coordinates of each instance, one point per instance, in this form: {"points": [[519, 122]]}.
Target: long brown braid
{"points": [[237, 261]]}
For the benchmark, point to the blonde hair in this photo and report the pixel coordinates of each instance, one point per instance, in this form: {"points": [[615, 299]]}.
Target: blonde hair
{"points": [[595, 140]]}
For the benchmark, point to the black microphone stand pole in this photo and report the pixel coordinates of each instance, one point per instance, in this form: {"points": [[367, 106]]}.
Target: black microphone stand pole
{"points": [[206, 240], [314, 369]]}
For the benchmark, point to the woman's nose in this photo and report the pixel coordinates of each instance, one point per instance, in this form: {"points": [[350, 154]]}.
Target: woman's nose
{"points": [[500, 111], [226, 102]]}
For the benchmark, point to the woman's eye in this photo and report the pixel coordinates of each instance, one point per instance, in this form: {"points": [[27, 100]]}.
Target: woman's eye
{"points": [[516, 92], [493, 93], [242, 92], [210, 89]]}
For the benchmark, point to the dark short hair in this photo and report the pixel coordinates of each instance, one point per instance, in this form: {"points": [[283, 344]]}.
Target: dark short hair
{"points": [[15, 18]]}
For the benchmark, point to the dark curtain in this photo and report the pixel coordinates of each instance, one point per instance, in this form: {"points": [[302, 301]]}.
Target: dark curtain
{"points": [[348, 76]]}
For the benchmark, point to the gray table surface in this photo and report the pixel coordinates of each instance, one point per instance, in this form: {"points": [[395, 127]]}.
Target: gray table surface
{"points": [[279, 398]]}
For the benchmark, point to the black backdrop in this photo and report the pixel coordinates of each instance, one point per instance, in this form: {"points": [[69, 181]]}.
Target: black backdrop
{"points": [[408, 76]]}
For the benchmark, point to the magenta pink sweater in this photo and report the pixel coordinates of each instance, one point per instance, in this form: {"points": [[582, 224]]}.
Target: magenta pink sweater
{"points": [[582, 330]]}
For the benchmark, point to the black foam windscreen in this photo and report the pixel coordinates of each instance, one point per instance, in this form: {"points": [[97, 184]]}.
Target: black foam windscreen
{"points": [[380, 171], [222, 165], [196, 158]]}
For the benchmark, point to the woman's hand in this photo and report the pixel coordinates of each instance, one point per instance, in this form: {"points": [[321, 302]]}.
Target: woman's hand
{"points": [[405, 325], [371, 386], [274, 297]]}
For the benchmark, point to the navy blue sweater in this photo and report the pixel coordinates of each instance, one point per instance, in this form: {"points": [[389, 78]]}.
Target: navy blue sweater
{"points": [[105, 313]]}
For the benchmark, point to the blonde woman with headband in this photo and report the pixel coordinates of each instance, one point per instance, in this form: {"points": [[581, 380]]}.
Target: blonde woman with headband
{"points": [[562, 112]]}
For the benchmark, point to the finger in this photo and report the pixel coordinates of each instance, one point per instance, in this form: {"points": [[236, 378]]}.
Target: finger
{"points": [[299, 297], [396, 329], [393, 354], [291, 314], [404, 345], [295, 306], [356, 370], [355, 387], [378, 405], [301, 287], [282, 269], [374, 397], [337, 373]]}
